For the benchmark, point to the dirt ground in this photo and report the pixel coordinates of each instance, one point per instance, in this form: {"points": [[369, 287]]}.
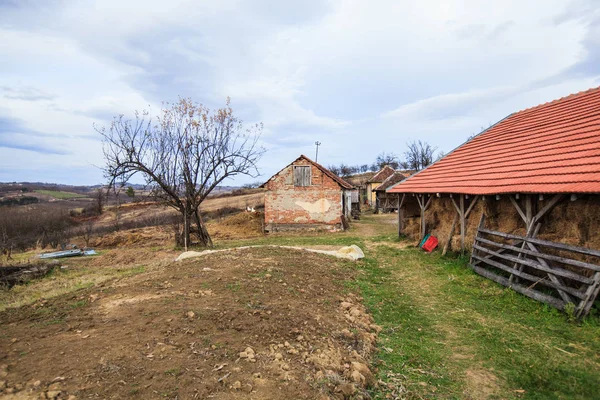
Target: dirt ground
{"points": [[255, 324]]}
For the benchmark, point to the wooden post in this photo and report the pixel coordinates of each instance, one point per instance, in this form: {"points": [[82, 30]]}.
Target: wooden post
{"points": [[424, 205], [423, 225], [462, 223], [400, 214], [450, 234]]}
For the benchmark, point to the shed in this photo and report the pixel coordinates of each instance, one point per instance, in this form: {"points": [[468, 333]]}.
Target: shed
{"points": [[387, 202], [306, 195], [525, 192], [376, 181]]}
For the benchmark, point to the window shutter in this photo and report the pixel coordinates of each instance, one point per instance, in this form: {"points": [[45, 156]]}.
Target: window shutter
{"points": [[302, 176]]}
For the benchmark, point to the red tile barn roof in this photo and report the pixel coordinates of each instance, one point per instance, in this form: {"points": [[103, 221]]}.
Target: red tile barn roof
{"points": [[550, 148]]}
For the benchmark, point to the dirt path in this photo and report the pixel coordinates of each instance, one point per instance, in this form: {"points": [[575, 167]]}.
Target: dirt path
{"points": [[423, 287], [258, 323]]}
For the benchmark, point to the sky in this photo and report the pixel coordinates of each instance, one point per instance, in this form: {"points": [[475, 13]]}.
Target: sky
{"points": [[361, 77]]}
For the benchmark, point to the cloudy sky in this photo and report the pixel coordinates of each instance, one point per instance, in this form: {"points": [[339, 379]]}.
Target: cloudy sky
{"points": [[361, 77]]}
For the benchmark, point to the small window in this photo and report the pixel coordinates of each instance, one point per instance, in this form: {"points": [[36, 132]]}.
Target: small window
{"points": [[301, 175]]}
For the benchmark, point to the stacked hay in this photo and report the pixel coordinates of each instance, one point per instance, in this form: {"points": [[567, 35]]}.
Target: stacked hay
{"points": [[573, 222]]}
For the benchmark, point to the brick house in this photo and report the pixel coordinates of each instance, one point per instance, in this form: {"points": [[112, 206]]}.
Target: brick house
{"points": [[306, 195]]}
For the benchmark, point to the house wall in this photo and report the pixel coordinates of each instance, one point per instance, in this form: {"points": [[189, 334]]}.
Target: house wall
{"points": [[292, 207], [371, 195]]}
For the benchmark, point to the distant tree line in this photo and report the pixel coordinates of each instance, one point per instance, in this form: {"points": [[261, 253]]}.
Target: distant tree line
{"points": [[418, 155]]}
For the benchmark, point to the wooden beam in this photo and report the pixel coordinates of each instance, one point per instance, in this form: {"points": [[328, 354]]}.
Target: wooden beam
{"points": [[548, 206], [428, 202], [471, 206], [455, 205], [521, 213], [450, 234]]}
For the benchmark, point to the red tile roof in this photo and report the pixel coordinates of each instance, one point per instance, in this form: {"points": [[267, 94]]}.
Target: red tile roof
{"points": [[383, 174], [550, 148]]}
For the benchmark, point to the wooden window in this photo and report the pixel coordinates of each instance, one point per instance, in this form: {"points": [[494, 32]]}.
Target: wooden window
{"points": [[302, 176]]}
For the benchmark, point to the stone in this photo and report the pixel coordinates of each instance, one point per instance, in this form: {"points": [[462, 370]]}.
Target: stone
{"points": [[348, 389], [53, 394], [364, 371], [355, 312], [190, 314], [278, 356], [237, 385], [357, 377], [346, 333], [2, 385], [346, 305]]}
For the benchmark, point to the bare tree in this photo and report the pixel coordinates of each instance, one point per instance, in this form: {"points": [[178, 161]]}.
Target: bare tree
{"points": [[99, 201], [390, 159], [184, 156], [419, 155], [87, 231]]}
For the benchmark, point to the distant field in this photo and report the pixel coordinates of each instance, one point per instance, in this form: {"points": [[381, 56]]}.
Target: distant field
{"points": [[61, 195]]}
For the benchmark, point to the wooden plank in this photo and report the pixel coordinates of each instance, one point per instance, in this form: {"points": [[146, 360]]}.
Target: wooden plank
{"points": [[542, 281], [552, 277], [546, 243], [536, 265], [536, 253], [477, 236], [591, 295], [544, 298]]}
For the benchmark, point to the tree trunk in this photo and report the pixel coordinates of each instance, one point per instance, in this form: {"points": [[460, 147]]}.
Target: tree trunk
{"points": [[203, 235]]}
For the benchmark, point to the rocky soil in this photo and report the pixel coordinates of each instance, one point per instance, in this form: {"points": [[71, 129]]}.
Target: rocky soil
{"points": [[263, 323]]}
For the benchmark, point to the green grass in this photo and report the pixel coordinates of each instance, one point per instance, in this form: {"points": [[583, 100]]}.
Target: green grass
{"points": [[61, 195], [442, 323]]}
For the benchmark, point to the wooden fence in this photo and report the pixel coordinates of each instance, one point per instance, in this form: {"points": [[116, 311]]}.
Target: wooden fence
{"points": [[541, 269]]}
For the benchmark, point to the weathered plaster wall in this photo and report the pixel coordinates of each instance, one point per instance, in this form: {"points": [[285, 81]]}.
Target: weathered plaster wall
{"points": [[318, 204]]}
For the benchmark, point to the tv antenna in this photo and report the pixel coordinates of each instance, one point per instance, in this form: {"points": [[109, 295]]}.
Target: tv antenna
{"points": [[317, 143]]}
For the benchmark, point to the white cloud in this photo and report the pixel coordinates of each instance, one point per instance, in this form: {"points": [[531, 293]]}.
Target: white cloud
{"points": [[361, 77]]}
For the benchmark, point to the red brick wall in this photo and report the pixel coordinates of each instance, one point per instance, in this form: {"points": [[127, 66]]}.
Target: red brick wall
{"points": [[320, 203]]}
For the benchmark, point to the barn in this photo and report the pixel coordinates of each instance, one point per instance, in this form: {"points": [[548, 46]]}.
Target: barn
{"points": [[306, 195], [376, 181], [524, 196]]}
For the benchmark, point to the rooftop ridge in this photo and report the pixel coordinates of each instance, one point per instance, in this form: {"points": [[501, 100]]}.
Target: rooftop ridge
{"points": [[560, 99]]}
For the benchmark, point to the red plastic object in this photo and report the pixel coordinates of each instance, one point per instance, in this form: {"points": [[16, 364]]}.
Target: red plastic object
{"points": [[430, 244]]}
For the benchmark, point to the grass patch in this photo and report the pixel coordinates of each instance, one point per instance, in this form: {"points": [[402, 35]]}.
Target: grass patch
{"points": [[61, 195], [442, 322]]}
